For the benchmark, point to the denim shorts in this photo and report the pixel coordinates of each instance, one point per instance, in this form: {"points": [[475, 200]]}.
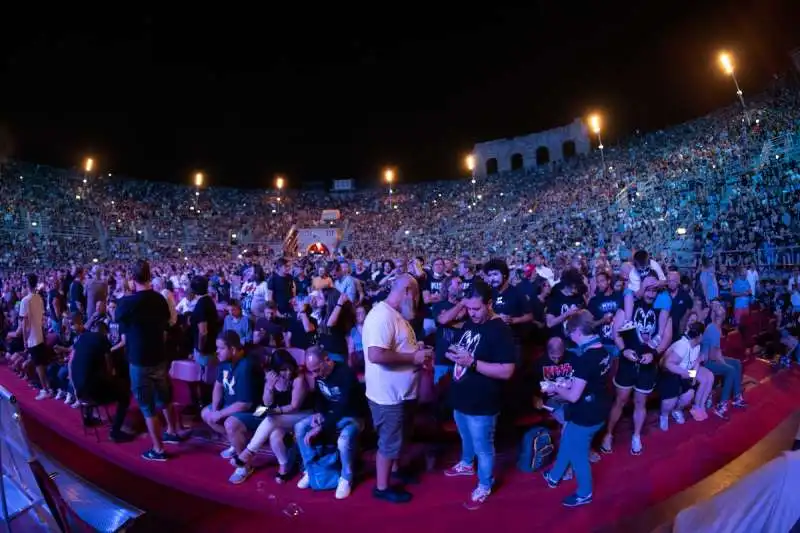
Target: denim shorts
{"points": [[152, 387], [250, 421]]}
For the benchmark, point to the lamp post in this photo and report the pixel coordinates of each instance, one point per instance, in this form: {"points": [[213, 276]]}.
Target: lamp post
{"points": [[726, 61], [388, 175], [469, 162], [279, 183], [594, 124], [198, 182]]}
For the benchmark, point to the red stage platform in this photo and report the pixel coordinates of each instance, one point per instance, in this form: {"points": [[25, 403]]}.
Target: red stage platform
{"points": [[191, 492]]}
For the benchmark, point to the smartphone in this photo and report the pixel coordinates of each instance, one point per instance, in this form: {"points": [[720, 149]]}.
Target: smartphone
{"points": [[260, 411], [692, 374]]}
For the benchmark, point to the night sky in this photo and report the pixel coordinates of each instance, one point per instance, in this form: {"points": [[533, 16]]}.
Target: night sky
{"points": [[317, 93]]}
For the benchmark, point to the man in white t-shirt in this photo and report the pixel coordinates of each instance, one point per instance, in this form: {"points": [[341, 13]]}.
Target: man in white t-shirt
{"points": [[31, 329], [681, 376], [392, 362]]}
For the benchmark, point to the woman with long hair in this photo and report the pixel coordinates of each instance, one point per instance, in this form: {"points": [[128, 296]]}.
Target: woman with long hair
{"points": [[287, 399]]}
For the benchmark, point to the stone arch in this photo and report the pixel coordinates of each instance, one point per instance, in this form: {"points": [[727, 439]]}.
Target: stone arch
{"points": [[517, 163], [542, 155], [491, 166], [568, 149]]}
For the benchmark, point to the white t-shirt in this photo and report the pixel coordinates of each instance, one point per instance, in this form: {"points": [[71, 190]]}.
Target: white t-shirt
{"points": [[688, 354], [386, 328], [33, 308], [635, 280]]}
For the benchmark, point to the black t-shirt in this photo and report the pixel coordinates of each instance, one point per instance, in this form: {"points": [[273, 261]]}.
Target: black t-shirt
{"points": [[594, 404], [514, 303], [282, 288], [433, 285], [334, 340], [205, 311], [445, 334], [77, 295], [602, 304], [302, 286], [681, 303], [52, 296], [558, 304], [242, 381], [300, 338], [339, 395], [89, 362], [471, 392], [273, 332], [143, 318]]}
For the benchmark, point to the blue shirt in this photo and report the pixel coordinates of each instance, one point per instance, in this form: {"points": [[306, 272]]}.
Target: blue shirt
{"points": [[741, 285]]}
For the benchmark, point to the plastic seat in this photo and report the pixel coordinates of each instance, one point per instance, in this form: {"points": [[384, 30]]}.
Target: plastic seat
{"points": [[184, 370]]}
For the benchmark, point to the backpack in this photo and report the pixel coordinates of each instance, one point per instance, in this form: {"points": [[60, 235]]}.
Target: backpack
{"points": [[535, 449], [324, 470]]}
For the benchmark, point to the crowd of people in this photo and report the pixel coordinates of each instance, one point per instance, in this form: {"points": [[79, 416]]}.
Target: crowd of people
{"points": [[573, 290]]}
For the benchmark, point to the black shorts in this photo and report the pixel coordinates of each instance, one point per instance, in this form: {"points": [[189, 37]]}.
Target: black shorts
{"points": [[641, 378], [39, 354], [673, 386]]}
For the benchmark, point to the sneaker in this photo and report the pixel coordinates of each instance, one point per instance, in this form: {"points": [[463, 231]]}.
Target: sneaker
{"points": [[460, 469], [594, 457], [76, 404], [552, 483], [636, 445], [477, 498], [606, 445], [227, 453], [698, 414], [576, 501], [69, 399], [44, 394], [663, 422], [240, 475], [739, 402], [60, 395], [303, 483], [677, 416], [342, 489], [170, 438], [721, 410], [568, 475], [152, 455], [392, 495]]}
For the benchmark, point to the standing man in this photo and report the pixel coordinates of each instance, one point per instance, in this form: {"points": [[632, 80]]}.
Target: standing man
{"points": [[392, 361], [144, 319], [31, 330]]}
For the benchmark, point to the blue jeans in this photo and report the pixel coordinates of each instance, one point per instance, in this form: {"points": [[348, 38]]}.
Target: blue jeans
{"points": [[731, 372], [477, 439], [574, 450], [348, 429], [58, 377]]}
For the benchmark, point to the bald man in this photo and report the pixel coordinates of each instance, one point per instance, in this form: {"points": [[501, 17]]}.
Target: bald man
{"points": [[552, 366], [337, 414], [392, 360]]}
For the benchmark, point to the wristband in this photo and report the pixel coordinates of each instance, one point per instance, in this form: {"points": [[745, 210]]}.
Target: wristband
{"points": [[474, 365]]}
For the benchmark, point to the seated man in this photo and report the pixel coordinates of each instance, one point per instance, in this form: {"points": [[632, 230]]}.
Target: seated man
{"points": [[92, 376], [678, 381], [719, 365], [338, 414], [237, 392]]}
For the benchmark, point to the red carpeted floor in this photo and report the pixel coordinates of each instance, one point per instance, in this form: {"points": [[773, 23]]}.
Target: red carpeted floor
{"points": [[191, 492]]}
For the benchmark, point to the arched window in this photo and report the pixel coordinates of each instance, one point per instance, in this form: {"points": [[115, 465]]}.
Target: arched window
{"points": [[516, 161], [568, 149], [542, 155], [491, 166]]}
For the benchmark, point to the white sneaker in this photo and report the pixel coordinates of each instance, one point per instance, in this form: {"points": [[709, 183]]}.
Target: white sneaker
{"points": [[342, 489], [76, 404], [636, 445], [240, 475], [227, 453], [69, 399], [44, 394], [304, 482], [60, 395], [677, 415], [663, 422]]}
